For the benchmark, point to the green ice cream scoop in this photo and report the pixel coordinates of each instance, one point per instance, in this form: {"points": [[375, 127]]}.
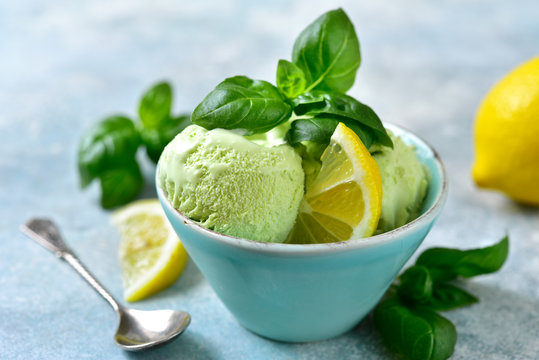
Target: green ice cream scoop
{"points": [[404, 183], [232, 185]]}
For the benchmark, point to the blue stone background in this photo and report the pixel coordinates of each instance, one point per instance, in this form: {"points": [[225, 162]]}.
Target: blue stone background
{"points": [[64, 65]]}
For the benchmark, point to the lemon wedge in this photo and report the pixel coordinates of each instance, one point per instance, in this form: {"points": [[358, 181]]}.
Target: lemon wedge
{"points": [[151, 254], [344, 201]]}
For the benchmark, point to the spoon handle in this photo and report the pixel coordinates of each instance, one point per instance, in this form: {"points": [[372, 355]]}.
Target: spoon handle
{"points": [[46, 234]]}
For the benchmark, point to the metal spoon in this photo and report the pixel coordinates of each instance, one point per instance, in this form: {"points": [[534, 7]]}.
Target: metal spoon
{"points": [[137, 329]]}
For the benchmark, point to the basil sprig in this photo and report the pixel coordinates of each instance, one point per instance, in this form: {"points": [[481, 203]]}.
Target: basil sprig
{"points": [[107, 150], [407, 320], [325, 60]]}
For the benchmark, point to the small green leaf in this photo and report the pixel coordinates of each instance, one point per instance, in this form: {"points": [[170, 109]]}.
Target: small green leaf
{"points": [[448, 264], [416, 284], [328, 52], [155, 140], [447, 297], [105, 146], [312, 102], [155, 105], [315, 130], [120, 185], [290, 79], [415, 332], [252, 106], [319, 129]]}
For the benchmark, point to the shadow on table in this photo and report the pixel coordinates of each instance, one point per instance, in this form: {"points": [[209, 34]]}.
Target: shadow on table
{"points": [[530, 210], [190, 278], [503, 324], [186, 344], [148, 169]]}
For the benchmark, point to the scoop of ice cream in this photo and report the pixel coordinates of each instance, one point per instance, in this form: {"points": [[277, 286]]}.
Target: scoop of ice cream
{"points": [[404, 183], [232, 185]]}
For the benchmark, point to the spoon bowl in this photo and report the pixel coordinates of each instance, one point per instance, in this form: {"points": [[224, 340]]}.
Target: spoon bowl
{"points": [[139, 329]]}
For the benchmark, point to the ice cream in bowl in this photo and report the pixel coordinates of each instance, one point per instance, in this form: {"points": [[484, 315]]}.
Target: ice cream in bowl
{"points": [[260, 227]]}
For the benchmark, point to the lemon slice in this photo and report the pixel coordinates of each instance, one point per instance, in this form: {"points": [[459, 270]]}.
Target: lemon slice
{"points": [[151, 254], [345, 199]]}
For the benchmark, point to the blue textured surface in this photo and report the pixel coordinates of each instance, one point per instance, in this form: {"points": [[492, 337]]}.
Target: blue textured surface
{"points": [[64, 65]]}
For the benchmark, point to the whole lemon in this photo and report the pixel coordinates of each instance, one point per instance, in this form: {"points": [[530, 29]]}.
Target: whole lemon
{"points": [[506, 136]]}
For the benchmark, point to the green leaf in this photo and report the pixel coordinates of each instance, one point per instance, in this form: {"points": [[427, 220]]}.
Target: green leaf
{"points": [[105, 146], [253, 106], [290, 79], [155, 105], [309, 102], [328, 52], [415, 332], [320, 129], [155, 140], [343, 108], [447, 297], [416, 284], [440, 341], [448, 264], [120, 185], [315, 130]]}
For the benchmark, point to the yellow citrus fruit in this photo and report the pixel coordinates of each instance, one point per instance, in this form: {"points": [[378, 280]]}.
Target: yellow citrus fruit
{"points": [[507, 136], [344, 201], [151, 254]]}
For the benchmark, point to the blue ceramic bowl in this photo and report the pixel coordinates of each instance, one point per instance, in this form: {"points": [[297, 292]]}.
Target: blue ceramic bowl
{"points": [[300, 293]]}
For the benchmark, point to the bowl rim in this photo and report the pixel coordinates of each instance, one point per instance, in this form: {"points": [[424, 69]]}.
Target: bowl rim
{"points": [[312, 249]]}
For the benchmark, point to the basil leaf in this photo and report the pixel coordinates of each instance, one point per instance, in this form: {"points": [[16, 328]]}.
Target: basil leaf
{"points": [[255, 106], [315, 130], [416, 284], [106, 145], [309, 102], [447, 297], [441, 341], [448, 264], [342, 106], [155, 140], [155, 105], [120, 185], [290, 79], [415, 332], [328, 52], [319, 130]]}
